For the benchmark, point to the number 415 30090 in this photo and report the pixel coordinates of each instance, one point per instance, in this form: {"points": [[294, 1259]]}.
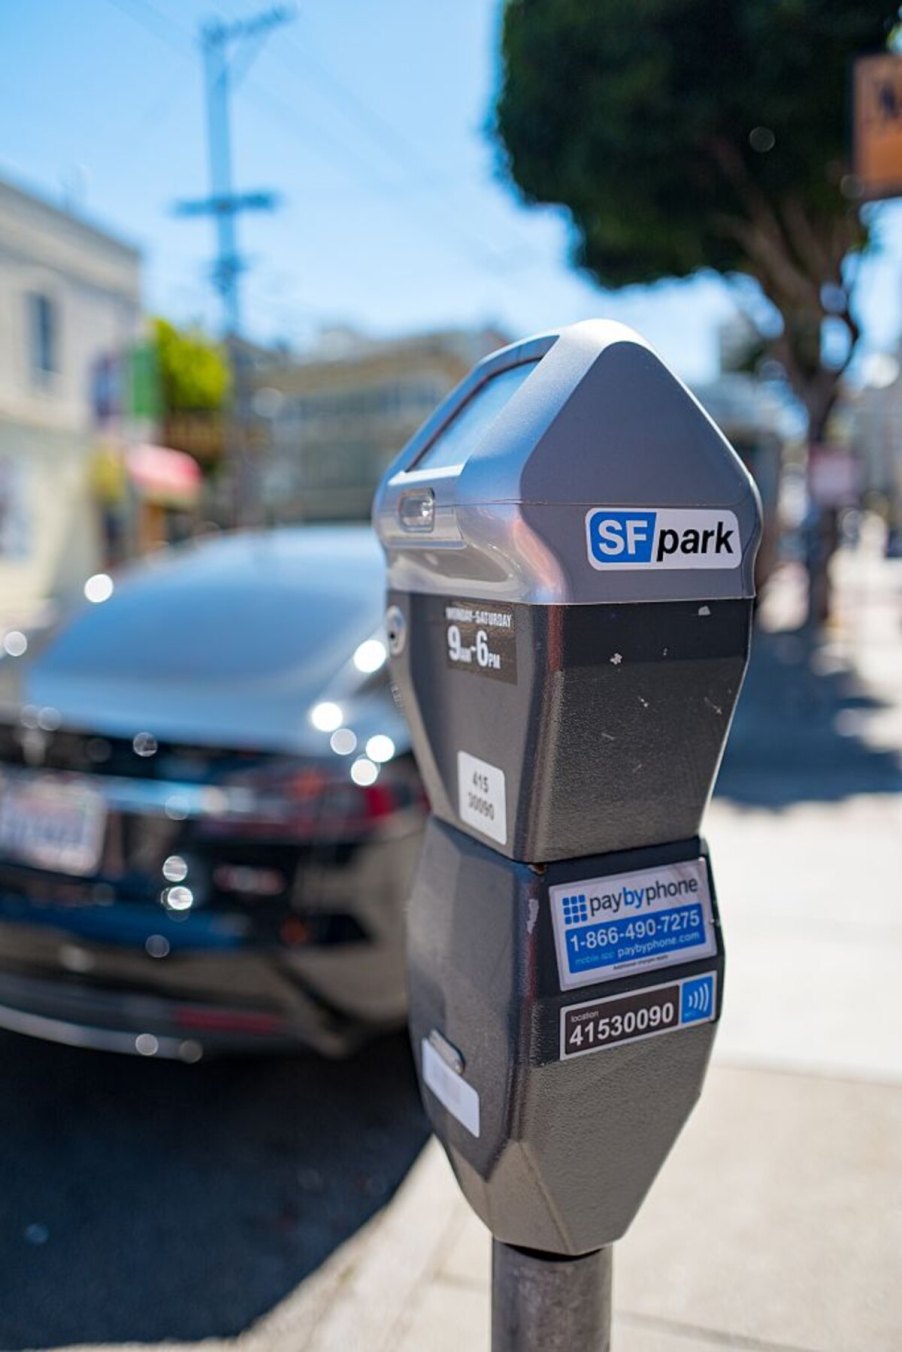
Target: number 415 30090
{"points": [[476, 798]]}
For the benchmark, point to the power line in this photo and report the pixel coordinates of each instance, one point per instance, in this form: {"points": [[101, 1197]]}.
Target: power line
{"points": [[282, 113], [473, 248], [369, 119], [153, 20], [485, 255], [135, 130]]}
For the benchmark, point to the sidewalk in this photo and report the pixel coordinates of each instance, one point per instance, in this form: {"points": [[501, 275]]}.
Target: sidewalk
{"points": [[776, 1224]]}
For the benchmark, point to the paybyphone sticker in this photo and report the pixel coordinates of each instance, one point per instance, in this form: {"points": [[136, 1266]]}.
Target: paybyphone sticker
{"points": [[662, 537], [606, 928]]}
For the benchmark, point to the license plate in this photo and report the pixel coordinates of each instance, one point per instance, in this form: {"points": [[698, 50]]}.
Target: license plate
{"points": [[59, 827]]}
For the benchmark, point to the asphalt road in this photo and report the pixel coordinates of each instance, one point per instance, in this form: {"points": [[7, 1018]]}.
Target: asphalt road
{"points": [[144, 1200]]}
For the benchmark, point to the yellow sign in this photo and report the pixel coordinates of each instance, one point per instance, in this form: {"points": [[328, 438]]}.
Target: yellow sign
{"points": [[878, 125]]}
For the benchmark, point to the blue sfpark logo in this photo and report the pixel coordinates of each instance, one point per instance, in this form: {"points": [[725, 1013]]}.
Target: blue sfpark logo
{"points": [[697, 999], [576, 909], [622, 537]]}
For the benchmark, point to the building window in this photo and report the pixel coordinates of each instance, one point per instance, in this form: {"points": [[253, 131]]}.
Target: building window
{"points": [[43, 335]]}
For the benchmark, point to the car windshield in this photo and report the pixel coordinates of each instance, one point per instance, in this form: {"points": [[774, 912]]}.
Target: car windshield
{"points": [[293, 603]]}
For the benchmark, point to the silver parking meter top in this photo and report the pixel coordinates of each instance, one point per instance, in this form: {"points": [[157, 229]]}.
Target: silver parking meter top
{"points": [[570, 545], [571, 468]]}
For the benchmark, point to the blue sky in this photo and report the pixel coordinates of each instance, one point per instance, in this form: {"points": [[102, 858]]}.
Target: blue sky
{"points": [[368, 117]]}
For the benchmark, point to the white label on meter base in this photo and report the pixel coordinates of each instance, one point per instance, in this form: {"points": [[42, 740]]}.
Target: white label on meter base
{"points": [[450, 1088], [481, 799]]}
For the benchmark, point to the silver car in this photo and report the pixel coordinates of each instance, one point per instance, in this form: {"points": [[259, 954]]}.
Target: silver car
{"points": [[209, 810]]}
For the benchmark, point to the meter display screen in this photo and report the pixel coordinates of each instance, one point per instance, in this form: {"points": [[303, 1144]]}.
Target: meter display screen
{"points": [[452, 446]]}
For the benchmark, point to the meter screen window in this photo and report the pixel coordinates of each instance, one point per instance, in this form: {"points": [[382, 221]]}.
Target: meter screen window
{"points": [[453, 445]]}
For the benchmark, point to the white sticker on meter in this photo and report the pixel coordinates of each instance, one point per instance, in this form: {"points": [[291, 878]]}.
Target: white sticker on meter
{"points": [[481, 800], [662, 537], [605, 928], [451, 1089]]}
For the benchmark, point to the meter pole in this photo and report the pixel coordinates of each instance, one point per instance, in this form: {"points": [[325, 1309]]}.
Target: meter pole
{"points": [[545, 1303]]}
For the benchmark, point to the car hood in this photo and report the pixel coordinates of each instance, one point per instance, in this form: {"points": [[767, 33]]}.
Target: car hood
{"points": [[253, 716], [228, 644]]}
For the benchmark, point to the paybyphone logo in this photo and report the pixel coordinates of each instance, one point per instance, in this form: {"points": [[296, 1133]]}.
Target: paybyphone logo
{"points": [[662, 537], [576, 909]]}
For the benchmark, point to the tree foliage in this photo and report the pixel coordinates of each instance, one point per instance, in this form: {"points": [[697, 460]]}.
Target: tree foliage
{"points": [[193, 371], [690, 134]]}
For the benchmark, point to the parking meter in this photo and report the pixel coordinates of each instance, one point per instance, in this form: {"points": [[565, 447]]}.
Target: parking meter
{"points": [[570, 544]]}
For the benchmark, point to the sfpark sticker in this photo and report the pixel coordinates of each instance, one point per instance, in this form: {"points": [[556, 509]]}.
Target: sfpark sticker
{"points": [[662, 537], [606, 928]]}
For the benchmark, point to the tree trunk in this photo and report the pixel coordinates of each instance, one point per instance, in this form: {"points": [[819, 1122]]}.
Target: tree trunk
{"points": [[822, 534]]}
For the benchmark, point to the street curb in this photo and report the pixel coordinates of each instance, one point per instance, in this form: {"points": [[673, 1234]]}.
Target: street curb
{"points": [[372, 1279], [368, 1283]]}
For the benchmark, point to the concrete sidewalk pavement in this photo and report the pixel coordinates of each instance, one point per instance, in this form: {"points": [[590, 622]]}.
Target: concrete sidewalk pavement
{"points": [[775, 1226]]}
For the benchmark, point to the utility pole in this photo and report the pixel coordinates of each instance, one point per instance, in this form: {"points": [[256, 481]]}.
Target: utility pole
{"points": [[228, 51]]}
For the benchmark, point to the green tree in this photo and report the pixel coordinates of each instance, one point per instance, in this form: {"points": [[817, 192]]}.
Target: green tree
{"points": [[692, 134], [193, 371]]}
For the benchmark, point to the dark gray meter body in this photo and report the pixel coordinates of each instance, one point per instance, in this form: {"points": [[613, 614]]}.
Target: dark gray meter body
{"points": [[570, 543], [557, 1105]]}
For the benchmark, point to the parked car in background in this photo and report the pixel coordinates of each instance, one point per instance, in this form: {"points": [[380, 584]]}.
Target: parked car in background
{"points": [[209, 811]]}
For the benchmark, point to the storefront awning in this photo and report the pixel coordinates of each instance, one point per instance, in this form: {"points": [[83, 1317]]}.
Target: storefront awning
{"points": [[163, 476]]}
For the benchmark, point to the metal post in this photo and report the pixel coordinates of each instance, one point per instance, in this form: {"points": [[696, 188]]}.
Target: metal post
{"points": [[222, 72], [545, 1303], [224, 204]]}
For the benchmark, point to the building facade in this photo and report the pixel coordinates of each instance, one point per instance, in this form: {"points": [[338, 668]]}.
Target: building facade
{"points": [[331, 421], [872, 421], [755, 423], [69, 297]]}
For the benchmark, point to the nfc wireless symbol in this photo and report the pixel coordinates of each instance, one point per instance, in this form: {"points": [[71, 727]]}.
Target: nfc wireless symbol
{"points": [[697, 999], [575, 910]]}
